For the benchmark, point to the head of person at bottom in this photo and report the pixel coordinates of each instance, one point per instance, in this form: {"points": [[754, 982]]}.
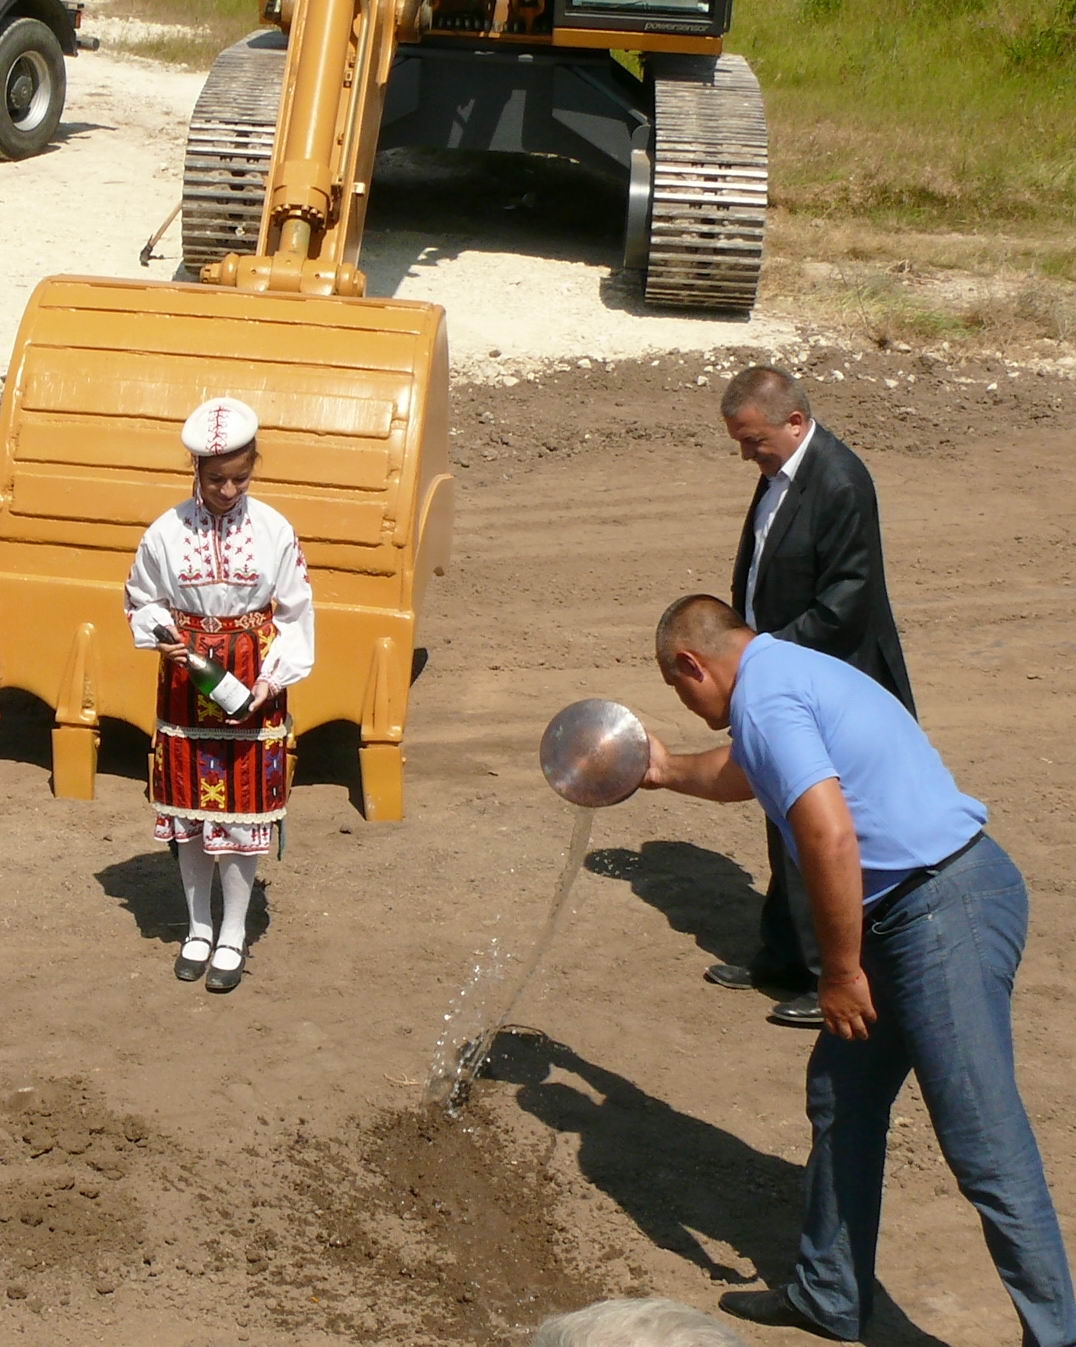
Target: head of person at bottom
{"points": [[653, 1322], [221, 437], [698, 645], [767, 413]]}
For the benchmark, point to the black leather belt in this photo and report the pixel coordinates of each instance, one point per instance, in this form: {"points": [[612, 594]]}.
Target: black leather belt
{"points": [[914, 880]]}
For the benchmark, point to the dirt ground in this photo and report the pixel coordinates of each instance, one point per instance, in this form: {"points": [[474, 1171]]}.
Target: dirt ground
{"points": [[197, 1171]]}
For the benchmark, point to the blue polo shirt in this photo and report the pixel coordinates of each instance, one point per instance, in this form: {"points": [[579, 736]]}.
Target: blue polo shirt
{"points": [[799, 717]]}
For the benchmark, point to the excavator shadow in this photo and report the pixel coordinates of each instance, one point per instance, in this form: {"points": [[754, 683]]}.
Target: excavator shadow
{"points": [[327, 755], [472, 202], [429, 206], [514, 204], [26, 725]]}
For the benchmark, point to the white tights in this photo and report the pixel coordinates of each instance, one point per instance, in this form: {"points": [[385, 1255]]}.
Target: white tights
{"points": [[236, 881]]}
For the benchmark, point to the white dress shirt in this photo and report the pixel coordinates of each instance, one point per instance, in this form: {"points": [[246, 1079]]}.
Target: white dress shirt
{"points": [[765, 513]]}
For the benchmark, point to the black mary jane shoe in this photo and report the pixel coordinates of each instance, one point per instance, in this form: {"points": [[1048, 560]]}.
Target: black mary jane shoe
{"points": [[190, 970], [225, 979]]}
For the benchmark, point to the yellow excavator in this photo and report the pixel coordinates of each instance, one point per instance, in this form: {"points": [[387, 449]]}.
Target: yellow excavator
{"points": [[638, 88], [351, 394]]}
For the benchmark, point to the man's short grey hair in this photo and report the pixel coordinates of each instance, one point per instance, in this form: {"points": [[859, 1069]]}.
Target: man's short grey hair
{"points": [[775, 392], [653, 1322]]}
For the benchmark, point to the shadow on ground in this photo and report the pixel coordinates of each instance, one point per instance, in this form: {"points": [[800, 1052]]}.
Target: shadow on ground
{"points": [[702, 893], [148, 886], [686, 1184]]}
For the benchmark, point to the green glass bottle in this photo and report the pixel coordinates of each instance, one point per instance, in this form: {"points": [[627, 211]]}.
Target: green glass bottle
{"points": [[212, 679]]}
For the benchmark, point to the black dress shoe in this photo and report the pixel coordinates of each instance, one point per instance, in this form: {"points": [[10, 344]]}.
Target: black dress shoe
{"points": [[730, 975], [803, 1012], [224, 979], [758, 973], [772, 1309], [190, 970]]}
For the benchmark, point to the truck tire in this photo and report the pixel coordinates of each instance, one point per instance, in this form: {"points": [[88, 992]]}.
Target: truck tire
{"points": [[33, 85]]}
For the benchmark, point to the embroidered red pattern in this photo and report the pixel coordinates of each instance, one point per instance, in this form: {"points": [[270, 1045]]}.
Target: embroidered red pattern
{"points": [[217, 442], [218, 550]]}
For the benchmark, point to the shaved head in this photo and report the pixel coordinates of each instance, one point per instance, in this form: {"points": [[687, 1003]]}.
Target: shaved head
{"points": [[700, 623]]}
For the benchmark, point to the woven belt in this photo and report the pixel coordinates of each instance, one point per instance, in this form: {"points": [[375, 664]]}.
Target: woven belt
{"points": [[914, 880], [246, 622]]}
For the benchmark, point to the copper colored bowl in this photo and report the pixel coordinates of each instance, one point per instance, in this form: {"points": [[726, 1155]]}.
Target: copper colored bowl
{"points": [[594, 753]]}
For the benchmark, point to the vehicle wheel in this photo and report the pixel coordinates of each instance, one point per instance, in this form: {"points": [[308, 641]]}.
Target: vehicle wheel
{"points": [[33, 85]]}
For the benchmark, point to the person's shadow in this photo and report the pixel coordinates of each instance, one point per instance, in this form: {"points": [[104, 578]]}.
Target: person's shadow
{"points": [[149, 887], [702, 893], [682, 1181]]}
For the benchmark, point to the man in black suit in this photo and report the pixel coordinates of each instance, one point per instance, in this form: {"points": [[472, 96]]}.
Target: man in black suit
{"points": [[809, 569]]}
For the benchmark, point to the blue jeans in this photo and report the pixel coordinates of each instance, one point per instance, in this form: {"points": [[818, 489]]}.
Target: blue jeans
{"points": [[941, 964]]}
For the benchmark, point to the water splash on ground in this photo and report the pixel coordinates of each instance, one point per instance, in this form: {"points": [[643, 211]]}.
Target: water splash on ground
{"points": [[490, 994]]}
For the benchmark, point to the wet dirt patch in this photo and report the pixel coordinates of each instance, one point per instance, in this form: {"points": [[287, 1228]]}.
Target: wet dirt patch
{"points": [[422, 1222]]}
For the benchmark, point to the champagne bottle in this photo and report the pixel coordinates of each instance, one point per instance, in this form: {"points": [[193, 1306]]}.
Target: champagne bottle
{"points": [[212, 679]]}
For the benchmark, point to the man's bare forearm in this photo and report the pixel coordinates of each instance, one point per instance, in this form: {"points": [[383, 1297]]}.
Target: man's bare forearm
{"points": [[829, 861], [835, 885], [830, 865], [711, 775]]}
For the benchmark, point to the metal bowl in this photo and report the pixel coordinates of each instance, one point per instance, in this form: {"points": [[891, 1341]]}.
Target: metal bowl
{"points": [[594, 753]]}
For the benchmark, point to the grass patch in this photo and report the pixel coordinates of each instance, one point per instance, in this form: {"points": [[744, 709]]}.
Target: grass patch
{"points": [[199, 29], [920, 288], [929, 113]]}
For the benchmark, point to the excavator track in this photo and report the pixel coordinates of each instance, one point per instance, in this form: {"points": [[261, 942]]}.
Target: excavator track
{"points": [[708, 184], [229, 146], [697, 207]]}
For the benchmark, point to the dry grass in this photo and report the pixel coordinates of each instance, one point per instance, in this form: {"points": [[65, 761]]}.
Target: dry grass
{"points": [[919, 287], [938, 113], [191, 33]]}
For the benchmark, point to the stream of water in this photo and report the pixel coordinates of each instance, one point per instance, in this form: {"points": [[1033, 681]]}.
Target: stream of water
{"points": [[490, 994]]}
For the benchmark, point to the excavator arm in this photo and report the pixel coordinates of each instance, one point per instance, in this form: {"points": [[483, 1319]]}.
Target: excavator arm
{"points": [[339, 59]]}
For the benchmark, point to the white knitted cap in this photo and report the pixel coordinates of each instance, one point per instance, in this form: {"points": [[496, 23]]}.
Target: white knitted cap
{"points": [[219, 426]]}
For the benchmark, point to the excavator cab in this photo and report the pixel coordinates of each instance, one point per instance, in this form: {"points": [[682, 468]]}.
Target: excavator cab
{"points": [[682, 18]]}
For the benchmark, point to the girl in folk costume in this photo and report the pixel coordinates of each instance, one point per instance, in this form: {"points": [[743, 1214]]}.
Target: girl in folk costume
{"points": [[222, 574]]}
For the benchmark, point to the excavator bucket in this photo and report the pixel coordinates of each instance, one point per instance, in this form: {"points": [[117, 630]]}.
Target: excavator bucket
{"points": [[352, 399]]}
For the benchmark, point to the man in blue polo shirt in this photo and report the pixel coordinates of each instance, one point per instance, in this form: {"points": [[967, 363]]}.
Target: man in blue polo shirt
{"points": [[921, 921]]}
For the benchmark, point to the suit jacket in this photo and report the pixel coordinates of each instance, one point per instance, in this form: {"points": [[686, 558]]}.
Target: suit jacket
{"points": [[821, 577]]}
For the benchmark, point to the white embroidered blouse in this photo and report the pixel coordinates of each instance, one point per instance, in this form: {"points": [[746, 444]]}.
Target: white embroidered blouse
{"points": [[194, 561]]}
